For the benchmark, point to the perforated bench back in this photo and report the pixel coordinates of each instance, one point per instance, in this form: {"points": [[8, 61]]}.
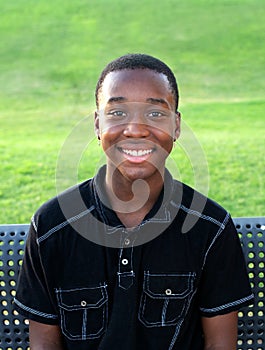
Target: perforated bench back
{"points": [[14, 328], [251, 323], [14, 333]]}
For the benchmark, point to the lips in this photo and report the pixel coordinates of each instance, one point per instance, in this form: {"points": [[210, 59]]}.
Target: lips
{"points": [[136, 154]]}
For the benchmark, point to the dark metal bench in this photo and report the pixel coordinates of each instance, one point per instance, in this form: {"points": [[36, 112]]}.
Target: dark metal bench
{"points": [[251, 329]]}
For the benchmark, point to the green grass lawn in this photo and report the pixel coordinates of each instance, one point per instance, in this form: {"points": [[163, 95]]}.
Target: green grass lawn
{"points": [[52, 54]]}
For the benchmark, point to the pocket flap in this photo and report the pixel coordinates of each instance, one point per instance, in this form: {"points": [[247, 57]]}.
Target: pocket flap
{"points": [[82, 298], [172, 286]]}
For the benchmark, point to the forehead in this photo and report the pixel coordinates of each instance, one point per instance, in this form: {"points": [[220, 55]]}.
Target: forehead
{"points": [[136, 85]]}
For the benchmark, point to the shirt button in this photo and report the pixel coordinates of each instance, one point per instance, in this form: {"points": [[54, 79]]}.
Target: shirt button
{"points": [[127, 241], [124, 261], [168, 291], [83, 303]]}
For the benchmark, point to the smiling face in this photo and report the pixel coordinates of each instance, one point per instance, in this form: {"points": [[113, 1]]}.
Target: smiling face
{"points": [[136, 122]]}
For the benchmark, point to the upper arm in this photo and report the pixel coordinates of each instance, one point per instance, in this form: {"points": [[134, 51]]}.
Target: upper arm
{"points": [[45, 337], [220, 332]]}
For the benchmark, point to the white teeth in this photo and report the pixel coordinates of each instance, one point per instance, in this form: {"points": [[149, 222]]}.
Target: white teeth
{"points": [[135, 153]]}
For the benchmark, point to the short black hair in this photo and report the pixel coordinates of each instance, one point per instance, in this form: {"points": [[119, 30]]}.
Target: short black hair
{"points": [[139, 61]]}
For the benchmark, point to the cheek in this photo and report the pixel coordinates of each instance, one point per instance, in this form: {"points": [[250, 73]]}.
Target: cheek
{"points": [[109, 137], [165, 134], [166, 129]]}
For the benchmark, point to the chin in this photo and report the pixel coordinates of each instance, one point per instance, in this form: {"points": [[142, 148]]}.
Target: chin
{"points": [[138, 173]]}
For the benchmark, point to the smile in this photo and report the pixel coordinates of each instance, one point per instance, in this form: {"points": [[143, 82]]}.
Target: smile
{"points": [[137, 153]]}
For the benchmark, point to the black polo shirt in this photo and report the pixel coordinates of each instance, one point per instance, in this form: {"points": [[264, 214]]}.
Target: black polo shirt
{"points": [[147, 288]]}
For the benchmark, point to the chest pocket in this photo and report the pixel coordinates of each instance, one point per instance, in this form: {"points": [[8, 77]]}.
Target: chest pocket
{"points": [[165, 298], [83, 312]]}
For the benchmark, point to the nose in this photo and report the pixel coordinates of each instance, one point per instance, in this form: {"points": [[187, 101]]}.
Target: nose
{"points": [[137, 127]]}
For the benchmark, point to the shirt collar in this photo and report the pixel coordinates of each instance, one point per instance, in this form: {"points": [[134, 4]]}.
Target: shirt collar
{"points": [[158, 214]]}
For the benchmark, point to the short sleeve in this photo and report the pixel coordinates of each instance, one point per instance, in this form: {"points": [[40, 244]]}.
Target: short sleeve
{"points": [[225, 284], [33, 298]]}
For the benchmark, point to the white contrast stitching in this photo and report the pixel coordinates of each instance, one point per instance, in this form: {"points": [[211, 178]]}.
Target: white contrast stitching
{"points": [[165, 219], [33, 311], [173, 341], [215, 237], [63, 313], [65, 223], [84, 324], [33, 223], [225, 306], [162, 297], [184, 294], [175, 335], [163, 320], [197, 213]]}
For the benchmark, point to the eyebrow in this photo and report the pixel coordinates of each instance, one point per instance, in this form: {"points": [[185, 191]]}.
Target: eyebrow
{"points": [[157, 101], [117, 99], [149, 100]]}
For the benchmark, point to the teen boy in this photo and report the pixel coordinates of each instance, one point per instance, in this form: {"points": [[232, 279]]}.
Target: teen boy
{"points": [[107, 264]]}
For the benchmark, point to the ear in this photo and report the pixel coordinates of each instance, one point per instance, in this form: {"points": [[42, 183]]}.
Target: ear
{"points": [[177, 125], [96, 125]]}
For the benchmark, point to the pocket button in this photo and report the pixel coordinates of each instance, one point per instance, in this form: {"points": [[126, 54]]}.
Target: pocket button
{"points": [[168, 291], [124, 261], [83, 303]]}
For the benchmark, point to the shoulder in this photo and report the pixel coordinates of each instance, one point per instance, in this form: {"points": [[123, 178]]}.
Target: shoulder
{"points": [[198, 209], [67, 206]]}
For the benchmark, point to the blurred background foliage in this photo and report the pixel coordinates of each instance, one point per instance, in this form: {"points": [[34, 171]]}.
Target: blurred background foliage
{"points": [[53, 52]]}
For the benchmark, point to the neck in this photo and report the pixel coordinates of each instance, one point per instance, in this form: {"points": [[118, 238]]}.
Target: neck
{"points": [[132, 199]]}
